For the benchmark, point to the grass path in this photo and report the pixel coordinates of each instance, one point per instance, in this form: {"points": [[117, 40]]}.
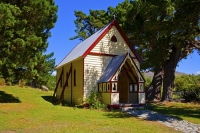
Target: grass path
{"points": [[29, 110]]}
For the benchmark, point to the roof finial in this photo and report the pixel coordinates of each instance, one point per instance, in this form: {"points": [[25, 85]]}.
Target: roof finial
{"points": [[114, 16]]}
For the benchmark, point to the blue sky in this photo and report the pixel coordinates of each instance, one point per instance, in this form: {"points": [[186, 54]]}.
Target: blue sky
{"points": [[60, 44]]}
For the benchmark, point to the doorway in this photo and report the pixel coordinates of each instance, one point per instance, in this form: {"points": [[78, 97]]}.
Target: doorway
{"points": [[123, 87]]}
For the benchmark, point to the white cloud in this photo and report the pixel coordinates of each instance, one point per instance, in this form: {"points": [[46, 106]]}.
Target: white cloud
{"points": [[198, 72]]}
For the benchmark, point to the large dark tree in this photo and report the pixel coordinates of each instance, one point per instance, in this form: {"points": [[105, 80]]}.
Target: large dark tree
{"points": [[86, 25], [24, 29], [167, 30], [163, 32]]}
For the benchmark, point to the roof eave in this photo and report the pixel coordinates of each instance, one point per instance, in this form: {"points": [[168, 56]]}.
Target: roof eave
{"points": [[68, 62]]}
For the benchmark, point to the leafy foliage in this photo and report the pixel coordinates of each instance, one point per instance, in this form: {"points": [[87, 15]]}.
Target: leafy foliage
{"points": [[94, 100], [2, 81], [24, 30], [51, 82], [21, 83], [88, 24], [189, 86], [147, 81], [163, 32]]}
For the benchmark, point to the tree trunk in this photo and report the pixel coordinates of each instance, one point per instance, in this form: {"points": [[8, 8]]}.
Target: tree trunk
{"points": [[169, 75], [154, 90]]}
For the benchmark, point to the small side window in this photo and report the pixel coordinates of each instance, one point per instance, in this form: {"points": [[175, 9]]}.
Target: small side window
{"points": [[100, 87], [114, 87], [108, 87]]}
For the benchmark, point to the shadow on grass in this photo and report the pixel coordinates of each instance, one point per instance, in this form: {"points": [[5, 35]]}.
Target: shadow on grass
{"points": [[48, 99], [117, 113], [177, 111], [8, 98]]}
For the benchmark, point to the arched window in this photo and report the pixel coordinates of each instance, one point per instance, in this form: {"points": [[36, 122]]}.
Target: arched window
{"points": [[113, 38]]}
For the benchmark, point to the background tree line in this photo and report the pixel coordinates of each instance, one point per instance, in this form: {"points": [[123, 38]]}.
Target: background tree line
{"points": [[188, 87], [24, 29], [162, 31]]}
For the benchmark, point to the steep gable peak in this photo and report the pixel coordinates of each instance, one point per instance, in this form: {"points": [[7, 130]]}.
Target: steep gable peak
{"points": [[82, 49]]}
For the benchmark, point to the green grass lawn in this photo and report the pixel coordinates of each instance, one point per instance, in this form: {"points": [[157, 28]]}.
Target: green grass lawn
{"points": [[30, 110], [186, 111]]}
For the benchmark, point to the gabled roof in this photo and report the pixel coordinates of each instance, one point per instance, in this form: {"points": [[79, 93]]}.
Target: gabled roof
{"points": [[83, 48], [114, 65], [112, 68]]}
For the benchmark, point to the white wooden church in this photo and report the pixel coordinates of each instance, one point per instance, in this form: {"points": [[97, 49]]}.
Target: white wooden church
{"points": [[105, 62]]}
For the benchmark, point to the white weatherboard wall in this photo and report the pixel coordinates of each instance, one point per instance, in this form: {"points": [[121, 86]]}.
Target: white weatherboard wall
{"points": [[93, 69], [141, 97], [108, 47], [95, 65], [114, 98]]}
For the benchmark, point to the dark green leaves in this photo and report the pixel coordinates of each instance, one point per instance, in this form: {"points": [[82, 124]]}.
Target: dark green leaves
{"points": [[24, 30]]}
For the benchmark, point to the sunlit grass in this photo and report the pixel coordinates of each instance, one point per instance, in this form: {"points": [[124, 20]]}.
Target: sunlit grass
{"points": [[186, 111], [34, 113]]}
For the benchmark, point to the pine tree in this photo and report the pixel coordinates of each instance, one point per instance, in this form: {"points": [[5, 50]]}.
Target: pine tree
{"points": [[24, 30], [163, 32]]}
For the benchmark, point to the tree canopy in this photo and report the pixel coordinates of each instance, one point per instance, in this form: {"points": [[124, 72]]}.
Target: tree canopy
{"points": [[163, 32], [24, 29]]}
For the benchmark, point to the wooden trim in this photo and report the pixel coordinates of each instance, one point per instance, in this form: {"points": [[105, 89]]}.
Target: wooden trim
{"points": [[138, 70], [128, 75], [71, 83], [115, 92], [110, 91], [134, 57], [74, 77], [98, 39], [113, 23], [131, 72], [117, 89], [127, 41], [65, 57], [101, 54], [83, 78], [57, 85], [66, 82], [119, 67], [114, 106]]}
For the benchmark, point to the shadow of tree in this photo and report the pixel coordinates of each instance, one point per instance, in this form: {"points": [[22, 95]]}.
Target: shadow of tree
{"points": [[8, 98], [177, 111], [117, 114]]}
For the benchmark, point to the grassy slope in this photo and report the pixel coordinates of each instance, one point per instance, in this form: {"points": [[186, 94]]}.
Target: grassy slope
{"points": [[26, 110]]}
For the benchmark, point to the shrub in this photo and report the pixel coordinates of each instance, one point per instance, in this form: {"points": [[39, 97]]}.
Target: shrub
{"points": [[2, 81], [9, 83], [189, 86], [192, 95], [51, 83], [21, 83], [94, 100]]}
